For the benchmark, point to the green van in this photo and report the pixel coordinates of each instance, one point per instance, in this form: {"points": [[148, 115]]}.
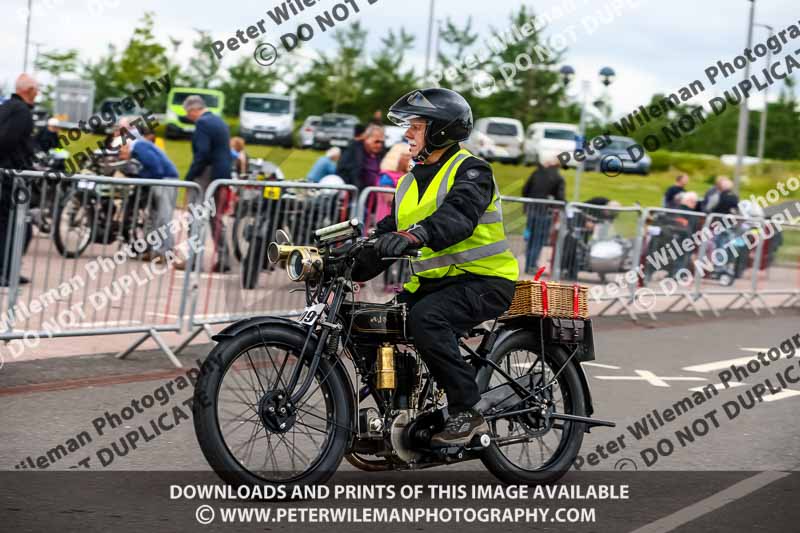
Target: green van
{"points": [[177, 124]]}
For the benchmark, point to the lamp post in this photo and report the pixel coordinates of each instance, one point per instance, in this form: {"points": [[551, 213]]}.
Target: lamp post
{"points": [[27, 37], [607, 76], [430, 40], [741, 134], [762, 128]]}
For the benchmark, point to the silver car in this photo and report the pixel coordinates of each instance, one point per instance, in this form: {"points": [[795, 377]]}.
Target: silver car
{"points": [[335, 129]]}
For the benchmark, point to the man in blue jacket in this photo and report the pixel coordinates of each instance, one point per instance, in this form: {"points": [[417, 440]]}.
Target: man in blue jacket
{"points": [[211, 161], [155, 165]]}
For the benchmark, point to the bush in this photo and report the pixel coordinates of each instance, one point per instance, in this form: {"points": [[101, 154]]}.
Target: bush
{"points": [[693, 164]]}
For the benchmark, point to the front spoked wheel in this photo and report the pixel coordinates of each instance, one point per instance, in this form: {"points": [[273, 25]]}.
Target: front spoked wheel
{"points": [[249, 431], [534, 448]]}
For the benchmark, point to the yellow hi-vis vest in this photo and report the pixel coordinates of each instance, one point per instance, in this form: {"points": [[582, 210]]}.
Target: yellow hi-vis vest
{"points": [[486, 252]]}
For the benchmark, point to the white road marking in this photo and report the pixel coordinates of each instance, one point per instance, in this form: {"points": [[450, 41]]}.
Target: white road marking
{"points": [[754, 349], [719, 386], [712, 503], [786, 393], [600, 365], [726, 363], [651, 378]]}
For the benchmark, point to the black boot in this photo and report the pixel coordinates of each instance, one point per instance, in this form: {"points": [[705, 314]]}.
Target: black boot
{"points": [[459, 429]]}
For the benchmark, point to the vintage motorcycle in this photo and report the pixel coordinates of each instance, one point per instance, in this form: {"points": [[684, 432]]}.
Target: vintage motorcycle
{"points": [[275, 402]]}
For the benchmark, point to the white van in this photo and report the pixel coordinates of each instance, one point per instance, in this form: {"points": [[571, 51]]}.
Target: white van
{"points": [[545, 140], [267, 118], [507, 136]]}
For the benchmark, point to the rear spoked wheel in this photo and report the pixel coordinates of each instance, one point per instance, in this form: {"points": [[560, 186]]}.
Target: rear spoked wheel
{"points": [[534, 448]]}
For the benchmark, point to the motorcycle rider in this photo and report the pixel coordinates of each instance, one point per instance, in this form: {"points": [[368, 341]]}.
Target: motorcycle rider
{"points": [[448, 207]]}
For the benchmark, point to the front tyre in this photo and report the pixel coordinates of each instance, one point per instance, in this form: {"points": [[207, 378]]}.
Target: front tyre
{"points": [[237, 393], [542, 451]]}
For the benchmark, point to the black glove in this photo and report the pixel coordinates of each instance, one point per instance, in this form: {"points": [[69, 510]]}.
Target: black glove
{"points": [[397, 243]]}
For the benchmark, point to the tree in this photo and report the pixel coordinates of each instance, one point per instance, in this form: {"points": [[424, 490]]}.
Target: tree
{"points": [[384, 79], [56, 64], [335, 82], [205, 66]]}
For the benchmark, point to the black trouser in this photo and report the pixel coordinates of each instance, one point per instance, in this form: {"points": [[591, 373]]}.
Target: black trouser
{"points": [[438, 316]]}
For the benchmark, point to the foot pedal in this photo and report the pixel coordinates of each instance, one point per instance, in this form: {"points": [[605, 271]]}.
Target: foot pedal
{"points": [[479, 442]]}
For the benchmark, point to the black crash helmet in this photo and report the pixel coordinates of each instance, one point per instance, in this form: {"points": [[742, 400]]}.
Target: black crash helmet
{"points": [[448, 114]]}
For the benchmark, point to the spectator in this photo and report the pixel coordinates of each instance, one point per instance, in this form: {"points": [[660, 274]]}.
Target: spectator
{"points": [[16, 152], [47, 139], [240, 158], [150, 135], [325, 165], [155, 165], [211, 160], [711, 198], [377, 118], [728, 200], [394, 166], [358, 132], [360, 162], [544, 183], [680, 186]]}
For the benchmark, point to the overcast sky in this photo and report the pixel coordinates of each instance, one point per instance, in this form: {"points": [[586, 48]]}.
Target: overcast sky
{"points": [[654, 46]]}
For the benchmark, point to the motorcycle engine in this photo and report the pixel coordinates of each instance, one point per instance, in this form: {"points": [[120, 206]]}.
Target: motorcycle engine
{"points": [[400, 441]]}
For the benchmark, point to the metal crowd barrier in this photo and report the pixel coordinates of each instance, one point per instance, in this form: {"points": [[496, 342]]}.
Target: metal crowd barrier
{"points": [[232, 277], [532, 227], [76, 241], [70, 237]]}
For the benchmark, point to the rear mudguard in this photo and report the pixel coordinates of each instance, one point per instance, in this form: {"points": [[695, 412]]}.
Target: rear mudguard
{"points": [[505, 332], [276, 321]]}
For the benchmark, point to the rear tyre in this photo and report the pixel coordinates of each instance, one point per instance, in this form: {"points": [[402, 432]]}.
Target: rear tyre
{"points": [[551, 448]]}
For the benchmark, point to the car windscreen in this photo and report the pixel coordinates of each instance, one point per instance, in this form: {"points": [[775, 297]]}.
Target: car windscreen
{"points": [[337, 122], [619, 145], [499, 128], [559, 135], [210, 100], [273, 106]]}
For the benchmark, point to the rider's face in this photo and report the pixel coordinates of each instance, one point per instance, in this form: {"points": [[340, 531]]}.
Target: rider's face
{"points": [[415, 134]]}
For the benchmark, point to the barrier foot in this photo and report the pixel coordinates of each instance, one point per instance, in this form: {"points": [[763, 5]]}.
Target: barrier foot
{"points": [[205, 328], [764, 303], [165, 348], [132, 347], [710, 306]]}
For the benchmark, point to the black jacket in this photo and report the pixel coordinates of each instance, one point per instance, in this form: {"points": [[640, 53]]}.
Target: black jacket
{"points": [[351, 164], [16, 126], [545, 182], [211, 148]]}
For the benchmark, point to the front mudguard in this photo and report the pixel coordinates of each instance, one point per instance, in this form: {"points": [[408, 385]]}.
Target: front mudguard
{"points": [[275, 321]]}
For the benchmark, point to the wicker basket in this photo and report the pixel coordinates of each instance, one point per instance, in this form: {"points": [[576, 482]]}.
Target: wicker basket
{"points": [[559, 300]]}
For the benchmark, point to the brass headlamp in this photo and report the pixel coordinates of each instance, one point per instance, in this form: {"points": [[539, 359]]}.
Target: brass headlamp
{"points": [[302, 262]]}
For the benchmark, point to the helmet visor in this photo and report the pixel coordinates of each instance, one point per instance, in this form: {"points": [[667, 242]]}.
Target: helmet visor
{"points": [[401, 118]]}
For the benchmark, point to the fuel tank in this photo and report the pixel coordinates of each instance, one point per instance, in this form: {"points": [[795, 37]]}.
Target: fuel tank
{"points": [[375, 322]]}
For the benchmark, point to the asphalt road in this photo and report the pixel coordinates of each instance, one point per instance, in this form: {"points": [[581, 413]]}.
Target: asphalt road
{"points": [[706, 446]]}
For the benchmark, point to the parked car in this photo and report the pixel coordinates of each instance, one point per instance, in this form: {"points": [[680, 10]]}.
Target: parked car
{"points": [[108, 108], [483, 146], [177, 123], [335, 129], [507, 136], [307, 131], [267, 118], [622, 155], [394, 135], [545, 140]]}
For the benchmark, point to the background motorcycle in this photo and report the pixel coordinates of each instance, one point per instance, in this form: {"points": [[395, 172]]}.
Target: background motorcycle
{"points": [[276, 404]]}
